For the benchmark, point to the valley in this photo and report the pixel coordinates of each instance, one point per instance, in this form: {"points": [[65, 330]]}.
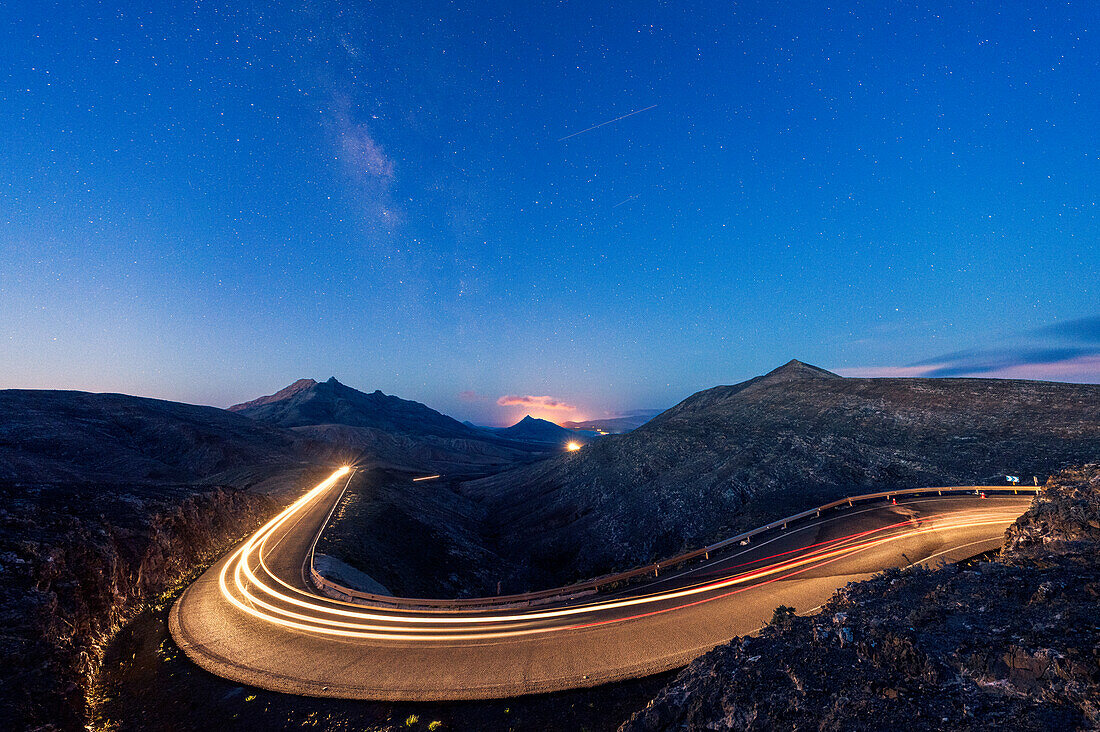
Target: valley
{"points": [[503, 512]]}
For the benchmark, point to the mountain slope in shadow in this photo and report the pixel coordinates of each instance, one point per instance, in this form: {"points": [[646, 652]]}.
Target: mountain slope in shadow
{"points": [[80, 436], [731, 457]]}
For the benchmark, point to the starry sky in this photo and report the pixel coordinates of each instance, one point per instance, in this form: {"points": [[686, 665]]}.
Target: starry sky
{"points": [[575, 209]]}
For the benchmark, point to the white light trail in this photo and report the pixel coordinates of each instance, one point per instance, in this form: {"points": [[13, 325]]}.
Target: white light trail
{"points": [[244, 583]]}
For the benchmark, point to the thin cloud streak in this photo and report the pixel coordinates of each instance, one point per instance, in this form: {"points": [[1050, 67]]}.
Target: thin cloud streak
{"points": [[1083, 369], [1082, 330], [1068, 351], [984, 361], [1080, 370]]}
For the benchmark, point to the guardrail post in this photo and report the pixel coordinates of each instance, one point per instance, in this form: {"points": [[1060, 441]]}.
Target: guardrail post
{"points": [[655, 568], [706, 555], [849, 503]]}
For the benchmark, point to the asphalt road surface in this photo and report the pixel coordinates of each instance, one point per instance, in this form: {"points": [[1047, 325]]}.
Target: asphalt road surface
{"points": [[255, 617]]}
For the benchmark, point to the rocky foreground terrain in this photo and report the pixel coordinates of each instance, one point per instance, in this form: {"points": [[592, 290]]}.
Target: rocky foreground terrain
{"points": [[76, 562], [107, 502], [733, 457], [1012, 643]]}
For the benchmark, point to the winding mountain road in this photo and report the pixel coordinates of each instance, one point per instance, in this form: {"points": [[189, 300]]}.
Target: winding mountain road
{"points": [[256, 618]]}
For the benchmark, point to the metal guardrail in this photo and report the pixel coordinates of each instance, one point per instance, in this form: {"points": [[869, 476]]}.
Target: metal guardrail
{"points": [[592, 586]]}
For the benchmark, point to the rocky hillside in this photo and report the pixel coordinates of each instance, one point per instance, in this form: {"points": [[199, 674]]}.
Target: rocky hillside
{"points": [[76, 561], [417, 539], [426, 453], [49, 436], [736, 456], [1067, 513], [1008, 644]]}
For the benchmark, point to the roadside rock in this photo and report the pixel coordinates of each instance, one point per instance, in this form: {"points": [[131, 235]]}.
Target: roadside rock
{"points": [[1068, 511], [107, 502], [77, 561]]}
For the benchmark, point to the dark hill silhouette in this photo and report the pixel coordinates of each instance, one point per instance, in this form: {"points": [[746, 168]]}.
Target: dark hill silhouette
{"points": [[531, 429], [307, 402], [388, 430], [735, 456]]}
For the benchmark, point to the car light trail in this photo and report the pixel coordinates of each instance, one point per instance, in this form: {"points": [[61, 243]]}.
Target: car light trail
{"points": [[248, 583]]}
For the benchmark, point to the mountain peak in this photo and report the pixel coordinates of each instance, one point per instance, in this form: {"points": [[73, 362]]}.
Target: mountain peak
{"points": [[795, 369], [285, 393], [537, 430], [306, 403]]}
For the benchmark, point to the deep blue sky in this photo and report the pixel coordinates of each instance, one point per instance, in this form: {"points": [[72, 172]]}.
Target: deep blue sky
{"points": [[208, 202]]}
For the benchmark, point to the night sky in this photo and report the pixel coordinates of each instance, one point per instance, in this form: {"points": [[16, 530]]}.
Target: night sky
{"points": [[208, 202]]}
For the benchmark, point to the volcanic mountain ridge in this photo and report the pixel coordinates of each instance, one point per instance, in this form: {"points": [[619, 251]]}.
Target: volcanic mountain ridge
{"points": [[387, 430], [732, 457]]}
